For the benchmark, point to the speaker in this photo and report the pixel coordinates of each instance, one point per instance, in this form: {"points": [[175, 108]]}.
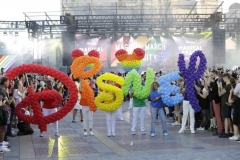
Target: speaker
{"points": [[219, 46], [68, 45]]}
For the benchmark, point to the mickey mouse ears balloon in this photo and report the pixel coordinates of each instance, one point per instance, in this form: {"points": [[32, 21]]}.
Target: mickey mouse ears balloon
{"points": [[130, 61]]}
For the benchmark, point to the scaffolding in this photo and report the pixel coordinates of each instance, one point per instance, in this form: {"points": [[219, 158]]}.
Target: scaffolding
{"points": [[135, 18]]}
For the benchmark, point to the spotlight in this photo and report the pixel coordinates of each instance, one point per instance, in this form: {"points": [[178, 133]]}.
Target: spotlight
{"points": [[110, 37], [4, 33], [16, 33]]}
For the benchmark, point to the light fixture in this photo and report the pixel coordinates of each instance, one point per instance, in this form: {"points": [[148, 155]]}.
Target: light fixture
{"points": [[16, 33], [4, 33]]}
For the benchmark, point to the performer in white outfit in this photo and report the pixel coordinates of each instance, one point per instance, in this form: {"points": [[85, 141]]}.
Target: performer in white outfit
{"points": [[48, 109], [87, 113], [112, 116], [120, 115], [77, 105], [111, 122]]}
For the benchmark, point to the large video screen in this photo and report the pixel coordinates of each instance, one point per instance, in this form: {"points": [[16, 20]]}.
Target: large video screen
{"points": [[160, 51]]}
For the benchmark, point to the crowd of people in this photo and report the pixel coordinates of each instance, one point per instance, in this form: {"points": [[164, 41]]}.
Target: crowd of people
{"points": [[218, 94]]}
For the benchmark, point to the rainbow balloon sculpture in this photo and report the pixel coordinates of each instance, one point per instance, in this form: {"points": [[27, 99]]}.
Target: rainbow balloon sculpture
{"points": [[130, 61]]}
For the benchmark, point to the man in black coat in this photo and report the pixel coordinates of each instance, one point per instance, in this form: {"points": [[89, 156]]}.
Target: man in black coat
{"points": [[216, 101]]}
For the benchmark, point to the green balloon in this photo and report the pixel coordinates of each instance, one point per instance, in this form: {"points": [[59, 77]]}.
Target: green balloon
{"points": [[133, 77]]}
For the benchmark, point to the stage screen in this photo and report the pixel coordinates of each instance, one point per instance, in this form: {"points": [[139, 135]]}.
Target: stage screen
{"points": [[161, 52], [86, 44]]}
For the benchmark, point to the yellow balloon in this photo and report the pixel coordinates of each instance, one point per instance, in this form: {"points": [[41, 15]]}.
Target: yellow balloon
{"points": [[111, 97]]}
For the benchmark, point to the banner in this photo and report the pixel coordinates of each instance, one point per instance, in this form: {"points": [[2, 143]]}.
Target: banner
{"points": [[88, 44]]}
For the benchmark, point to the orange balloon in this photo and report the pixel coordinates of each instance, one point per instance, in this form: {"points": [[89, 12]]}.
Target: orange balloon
{"points": [[80, 63], [88, 94], [78, 70]]}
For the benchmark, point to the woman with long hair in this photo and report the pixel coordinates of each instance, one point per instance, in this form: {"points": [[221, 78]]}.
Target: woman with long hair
{"points": [[18, 96], [204, 103], [157, 109]]}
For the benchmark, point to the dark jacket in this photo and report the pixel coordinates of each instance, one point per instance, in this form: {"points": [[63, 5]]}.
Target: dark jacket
{"points": [[214, 93]]}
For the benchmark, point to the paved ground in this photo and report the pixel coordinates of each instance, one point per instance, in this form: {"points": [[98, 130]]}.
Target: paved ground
{"points": [[72, 145]]}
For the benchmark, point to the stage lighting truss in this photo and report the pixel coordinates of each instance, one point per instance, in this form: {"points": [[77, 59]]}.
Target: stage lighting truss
{"points": [[138, 18]]}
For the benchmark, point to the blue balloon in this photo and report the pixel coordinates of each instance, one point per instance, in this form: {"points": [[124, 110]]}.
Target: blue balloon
{"points": [[166, 89]]}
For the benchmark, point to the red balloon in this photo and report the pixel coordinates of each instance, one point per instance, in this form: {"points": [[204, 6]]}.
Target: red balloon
{"points": [[94, 53], [77, 53], [33, 98]]}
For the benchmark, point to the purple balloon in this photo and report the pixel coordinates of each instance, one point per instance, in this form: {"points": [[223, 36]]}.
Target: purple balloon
{"points": [[190, 75]]}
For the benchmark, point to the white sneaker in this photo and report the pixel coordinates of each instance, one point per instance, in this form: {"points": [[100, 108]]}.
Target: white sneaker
{"points": [[133, 133], [41, 135], [143, 133], [57, 134], [5, 143], [3, 149], [152, 135], [165, 134], [192, 131], [85, 133], [233, 138], [201, 129], [91, 133], [176, 124], [109, 135], [181, 131], [4, 146], [113, 134]]}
